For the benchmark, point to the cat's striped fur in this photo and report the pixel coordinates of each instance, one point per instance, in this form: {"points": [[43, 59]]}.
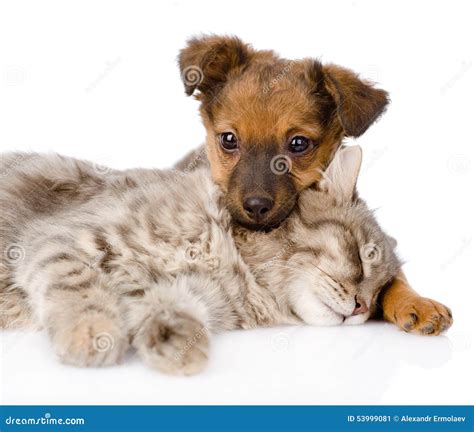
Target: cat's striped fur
{"points": [[105, 260]]}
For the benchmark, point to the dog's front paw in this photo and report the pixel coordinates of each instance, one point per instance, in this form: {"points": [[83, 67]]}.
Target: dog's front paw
{"points": [[91, 341], [423, 316], [176, 344]]}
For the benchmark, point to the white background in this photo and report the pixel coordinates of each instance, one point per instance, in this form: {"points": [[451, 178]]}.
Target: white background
{"points": [[99, 80]]}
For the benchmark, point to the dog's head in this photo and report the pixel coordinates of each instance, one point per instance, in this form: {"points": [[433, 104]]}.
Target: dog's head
{"points": [[272, 124]]}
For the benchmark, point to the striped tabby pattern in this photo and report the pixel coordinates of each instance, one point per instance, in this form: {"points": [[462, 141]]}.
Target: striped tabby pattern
{"points": [[109, 260]]}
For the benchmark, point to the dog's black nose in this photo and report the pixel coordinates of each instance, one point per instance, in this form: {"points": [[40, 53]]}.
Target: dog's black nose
{"points": [[257, 207]]}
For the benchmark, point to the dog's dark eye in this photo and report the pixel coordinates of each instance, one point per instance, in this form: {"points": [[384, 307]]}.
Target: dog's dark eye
{"points": [[299, 144], [228, 141]]}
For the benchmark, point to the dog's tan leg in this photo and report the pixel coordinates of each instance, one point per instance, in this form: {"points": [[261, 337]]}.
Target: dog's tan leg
{"points": [[404, 307]]}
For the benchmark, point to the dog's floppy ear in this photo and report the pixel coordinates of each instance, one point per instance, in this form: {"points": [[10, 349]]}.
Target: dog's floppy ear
{"points": [[206, 62], [358, 102], [340, 177]]}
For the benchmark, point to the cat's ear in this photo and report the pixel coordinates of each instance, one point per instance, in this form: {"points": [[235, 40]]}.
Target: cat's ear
{"points": [[393, 243], [340, 177]]}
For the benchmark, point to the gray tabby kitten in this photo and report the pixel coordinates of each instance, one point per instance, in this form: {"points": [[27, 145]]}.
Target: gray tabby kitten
{"points": [[150, 259]]}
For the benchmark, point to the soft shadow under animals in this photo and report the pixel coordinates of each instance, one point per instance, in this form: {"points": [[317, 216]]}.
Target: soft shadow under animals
{"points": [[352, 364]]}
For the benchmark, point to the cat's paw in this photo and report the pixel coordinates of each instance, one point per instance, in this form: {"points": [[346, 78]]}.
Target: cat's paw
{"points": [[91, 341], [177, 344], [423, 316]]}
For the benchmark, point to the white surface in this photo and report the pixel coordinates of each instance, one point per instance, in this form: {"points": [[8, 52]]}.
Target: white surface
{"points": [[98, 80], [369, 364]]}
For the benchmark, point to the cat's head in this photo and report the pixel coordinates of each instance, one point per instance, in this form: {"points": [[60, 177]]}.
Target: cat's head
{"points": [[340, 257]]}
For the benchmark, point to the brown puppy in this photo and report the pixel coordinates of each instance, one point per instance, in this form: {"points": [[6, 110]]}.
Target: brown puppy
{"points": [[272, 126]]}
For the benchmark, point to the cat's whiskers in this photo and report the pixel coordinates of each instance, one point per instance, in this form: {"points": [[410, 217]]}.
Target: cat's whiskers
{"points": [[330, 286]]}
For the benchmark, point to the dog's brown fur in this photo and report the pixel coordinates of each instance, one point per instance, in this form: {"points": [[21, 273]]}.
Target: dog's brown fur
{"points": [[265, 101]]}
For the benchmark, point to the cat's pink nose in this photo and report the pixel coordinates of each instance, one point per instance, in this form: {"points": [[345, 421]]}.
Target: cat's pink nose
{"points": [[360, 307]]}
